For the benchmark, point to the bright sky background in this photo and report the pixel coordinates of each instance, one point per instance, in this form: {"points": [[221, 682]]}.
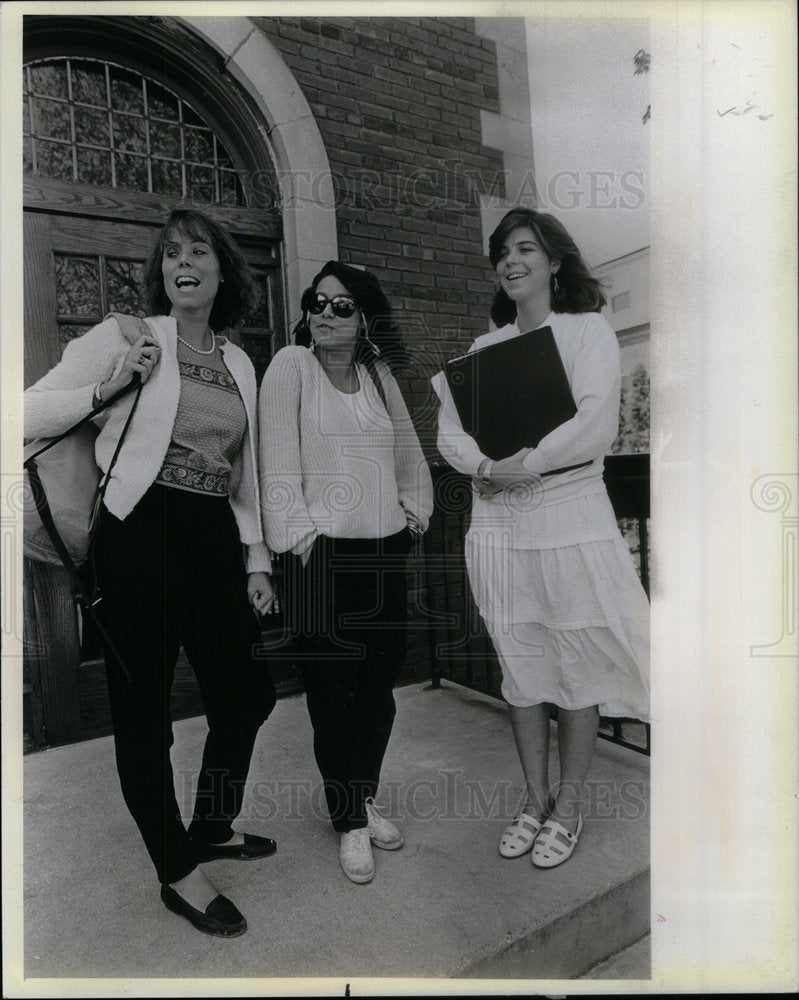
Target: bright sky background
{"points": [[591, 150]]}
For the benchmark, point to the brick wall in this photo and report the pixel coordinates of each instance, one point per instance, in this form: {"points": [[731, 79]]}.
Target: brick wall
{"points": [[398, 101]]}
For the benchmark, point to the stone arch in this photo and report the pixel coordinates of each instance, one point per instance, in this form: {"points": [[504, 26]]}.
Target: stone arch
{"points": [[294, 142]]}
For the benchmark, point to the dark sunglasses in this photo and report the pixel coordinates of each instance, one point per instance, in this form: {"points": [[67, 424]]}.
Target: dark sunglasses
{"points": [[343, 306]]}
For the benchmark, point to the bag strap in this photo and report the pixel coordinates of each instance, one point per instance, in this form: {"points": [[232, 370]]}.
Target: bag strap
{"points": [[40, 494], [135, 381], [129, 325], [88, 601], [374, 374]]}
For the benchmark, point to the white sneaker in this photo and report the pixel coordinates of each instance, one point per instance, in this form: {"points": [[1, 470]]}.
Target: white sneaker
{"points": [[382, 831], [355, 855]]}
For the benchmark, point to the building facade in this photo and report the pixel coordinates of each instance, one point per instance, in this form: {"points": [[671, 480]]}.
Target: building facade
{"points": [[627, 289]]}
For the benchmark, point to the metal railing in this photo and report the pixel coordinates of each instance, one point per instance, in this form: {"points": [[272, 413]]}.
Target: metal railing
{"points": [[460, 649]]}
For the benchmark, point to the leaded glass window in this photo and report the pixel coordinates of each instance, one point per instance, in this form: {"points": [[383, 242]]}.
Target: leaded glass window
{"points": [[94, 122], [89, 286]]}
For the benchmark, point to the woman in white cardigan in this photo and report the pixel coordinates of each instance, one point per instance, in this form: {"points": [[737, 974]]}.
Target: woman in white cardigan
{"points": [[346, 488], [550, 572], [181, 502]]}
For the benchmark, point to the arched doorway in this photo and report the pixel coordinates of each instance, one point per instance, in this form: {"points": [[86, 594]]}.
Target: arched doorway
{"points": [[124, 119]]}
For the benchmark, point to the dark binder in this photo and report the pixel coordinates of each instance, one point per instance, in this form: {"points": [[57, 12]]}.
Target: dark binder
{"points": [[510, 395]]}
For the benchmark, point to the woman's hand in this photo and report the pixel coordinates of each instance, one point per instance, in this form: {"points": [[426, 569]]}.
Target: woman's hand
{"points": [[484, 489], [140, 360], [510, 472], [414, 526], [260, 592]]}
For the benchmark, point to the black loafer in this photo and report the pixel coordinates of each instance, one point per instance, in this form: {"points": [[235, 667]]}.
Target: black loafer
{"points": [[252, 848], [221, 918]]}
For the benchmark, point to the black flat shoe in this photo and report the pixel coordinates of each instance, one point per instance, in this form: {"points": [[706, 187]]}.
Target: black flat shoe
{"points": [[221, 918], [252, 848]]}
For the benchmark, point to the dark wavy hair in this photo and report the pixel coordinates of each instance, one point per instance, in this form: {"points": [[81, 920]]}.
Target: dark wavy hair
{"points": [[234, 297], [380, 327], [578, 290]]}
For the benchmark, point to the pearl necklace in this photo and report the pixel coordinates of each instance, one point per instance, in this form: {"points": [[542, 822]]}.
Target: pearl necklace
{"points": [[197, 350]]}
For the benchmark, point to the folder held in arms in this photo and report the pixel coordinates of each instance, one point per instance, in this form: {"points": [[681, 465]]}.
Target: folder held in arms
{"points": [[510, 395]]}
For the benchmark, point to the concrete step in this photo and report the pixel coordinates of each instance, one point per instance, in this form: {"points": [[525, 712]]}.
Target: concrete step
{"points": [[634, 962], [446, 905]]}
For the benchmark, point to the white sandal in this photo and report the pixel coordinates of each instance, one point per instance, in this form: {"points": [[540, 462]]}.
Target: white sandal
{"points": [[519, 836], [550, 851]]}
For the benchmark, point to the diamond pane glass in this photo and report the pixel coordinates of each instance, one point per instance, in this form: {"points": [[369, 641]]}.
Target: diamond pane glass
{"points": [[259, 314], [131, 172], [127, 92], [165, 140], [88, 83], [119, 110], [230, 189], [94, 166], [50, 80], [125, 285], [201, 183], [91, 126], [27, 156], [129, 133], [167, 178], [77, 286], [51, 119], [54, 160], [199, 145]]}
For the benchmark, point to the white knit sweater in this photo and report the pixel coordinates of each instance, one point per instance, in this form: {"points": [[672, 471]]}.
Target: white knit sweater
{"points": [[334, 463], [590, 353], [61, 397]]}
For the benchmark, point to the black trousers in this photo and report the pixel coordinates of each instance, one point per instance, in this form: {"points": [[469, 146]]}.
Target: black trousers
{"points": [[347, 614], [172, 573]]}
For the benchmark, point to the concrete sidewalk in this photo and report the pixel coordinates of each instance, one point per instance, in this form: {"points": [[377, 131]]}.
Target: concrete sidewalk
{"points": [[446, 905]]}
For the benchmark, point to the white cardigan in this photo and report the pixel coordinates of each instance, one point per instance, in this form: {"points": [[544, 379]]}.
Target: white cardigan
{"points": [[62, 396], [333, 463]]}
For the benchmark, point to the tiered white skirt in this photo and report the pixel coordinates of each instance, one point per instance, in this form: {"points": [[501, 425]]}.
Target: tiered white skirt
{"points": [[570, 623]]}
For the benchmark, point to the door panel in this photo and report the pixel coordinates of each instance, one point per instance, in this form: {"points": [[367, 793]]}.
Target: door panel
{"points": [[41, 328]]}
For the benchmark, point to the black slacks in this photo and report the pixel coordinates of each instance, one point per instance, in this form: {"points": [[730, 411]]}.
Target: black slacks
{"points": [[172, 573], [347, 613]]}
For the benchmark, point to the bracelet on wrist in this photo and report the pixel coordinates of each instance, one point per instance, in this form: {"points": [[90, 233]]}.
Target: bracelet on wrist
{"points": [[484, 470], [97, 399]]}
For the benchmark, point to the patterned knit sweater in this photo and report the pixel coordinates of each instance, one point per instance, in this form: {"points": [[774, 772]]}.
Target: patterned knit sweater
{"points": [[335, 463], [61, 397]]}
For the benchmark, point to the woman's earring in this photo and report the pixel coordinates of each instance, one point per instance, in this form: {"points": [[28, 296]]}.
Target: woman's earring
{"points": [[375, 348], [555, 285]]}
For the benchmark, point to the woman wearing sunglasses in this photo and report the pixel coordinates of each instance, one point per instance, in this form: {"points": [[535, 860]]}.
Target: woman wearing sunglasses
{"points": [[346, 489]]}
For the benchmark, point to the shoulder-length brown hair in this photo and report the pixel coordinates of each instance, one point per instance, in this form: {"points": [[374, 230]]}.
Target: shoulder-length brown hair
{"points": [[380, 330], [234, 297], [578, 290]]}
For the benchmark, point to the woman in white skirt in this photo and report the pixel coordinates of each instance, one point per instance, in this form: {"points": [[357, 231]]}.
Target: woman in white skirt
{"points": [[551, 575]]}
